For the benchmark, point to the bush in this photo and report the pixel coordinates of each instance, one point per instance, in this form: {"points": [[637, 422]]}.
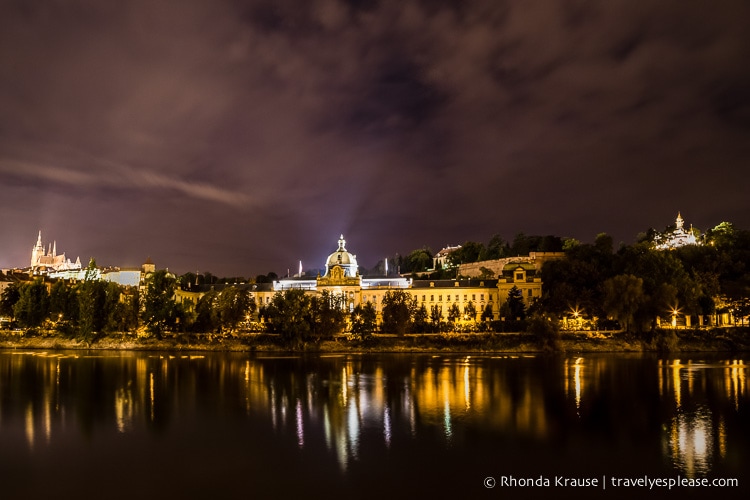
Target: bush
{"points": [[546, 331]]}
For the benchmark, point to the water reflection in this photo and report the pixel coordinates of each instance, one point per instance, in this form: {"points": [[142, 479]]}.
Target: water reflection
{"points": [[687, 414]]}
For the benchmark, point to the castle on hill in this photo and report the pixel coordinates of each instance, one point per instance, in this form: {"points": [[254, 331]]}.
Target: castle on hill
{"points": [[49, 261], [679, 237]]}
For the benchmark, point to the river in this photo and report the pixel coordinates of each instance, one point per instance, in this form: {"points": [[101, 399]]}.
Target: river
{"points": [[119, 424]]}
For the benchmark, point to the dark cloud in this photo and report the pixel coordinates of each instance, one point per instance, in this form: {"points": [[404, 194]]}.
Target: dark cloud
{"points": [[242, 136]]}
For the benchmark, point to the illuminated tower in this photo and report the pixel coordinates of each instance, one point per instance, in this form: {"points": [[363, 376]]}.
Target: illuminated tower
{"points": [[37, 252]]}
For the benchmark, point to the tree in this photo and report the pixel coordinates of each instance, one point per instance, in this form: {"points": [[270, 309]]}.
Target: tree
{"points": [[206, 311], [454, 313], [32, 307], [233, 306], [327, 314], [92, 314], [497, 248], [8, 300], [419, 324], [288, 314], [436, 316], [63, 302], [470, 311], [419, 260], [159, 308], [515, 303], [398, 308], [364, 320], [468, 253], [623, 296], [487, 314]]}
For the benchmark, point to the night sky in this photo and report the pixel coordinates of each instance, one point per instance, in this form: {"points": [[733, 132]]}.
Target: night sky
{"points": [[239, 137]]}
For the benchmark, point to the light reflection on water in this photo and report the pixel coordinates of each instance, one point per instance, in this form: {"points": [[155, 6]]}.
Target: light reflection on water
{"points": [[689, 413]]}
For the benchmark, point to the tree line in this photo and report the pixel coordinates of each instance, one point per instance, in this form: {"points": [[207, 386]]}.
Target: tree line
{"points": [[638, 284]]}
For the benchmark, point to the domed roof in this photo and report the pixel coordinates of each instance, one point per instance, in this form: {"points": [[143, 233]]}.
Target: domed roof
{"points": [[342, 258]]}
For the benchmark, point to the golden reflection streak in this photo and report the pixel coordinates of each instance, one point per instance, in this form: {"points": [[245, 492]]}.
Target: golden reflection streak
{"points": [[676, 382], [578, 381], [467, 388], [30, 425]]}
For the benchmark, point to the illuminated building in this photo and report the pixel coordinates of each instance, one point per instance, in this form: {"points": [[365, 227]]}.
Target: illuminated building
{"points": [[679, 237], [342, 279], [47, 261], [440, 260]]}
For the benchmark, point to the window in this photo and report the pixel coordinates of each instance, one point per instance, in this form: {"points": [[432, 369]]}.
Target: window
{"points": [[473, 296], [519, 276], [449, 297], [423, 298], [530, 292], [432, 298], [440, 298], [464, 297], [456, 297], [481, 297]]}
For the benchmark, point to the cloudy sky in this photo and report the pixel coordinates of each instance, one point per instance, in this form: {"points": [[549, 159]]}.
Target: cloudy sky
{"points": [[239, 137]]}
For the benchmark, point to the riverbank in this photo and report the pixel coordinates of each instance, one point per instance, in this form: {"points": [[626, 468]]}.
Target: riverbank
{"points": [[664, 341]]}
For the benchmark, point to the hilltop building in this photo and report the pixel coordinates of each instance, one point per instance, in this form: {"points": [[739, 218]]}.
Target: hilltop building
{"points": [[679, 237], [440, 259], [43, 261]]}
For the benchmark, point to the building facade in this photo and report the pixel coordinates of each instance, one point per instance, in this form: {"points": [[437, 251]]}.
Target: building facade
{"points": [[342, 279]]}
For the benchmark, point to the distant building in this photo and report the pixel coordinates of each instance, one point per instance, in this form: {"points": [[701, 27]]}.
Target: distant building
{"points": [[440, 259], [43, 262], [679, 237]]}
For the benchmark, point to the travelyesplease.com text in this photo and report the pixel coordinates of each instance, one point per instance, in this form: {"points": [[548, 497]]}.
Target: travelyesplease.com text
{"points": [[605, 482]]}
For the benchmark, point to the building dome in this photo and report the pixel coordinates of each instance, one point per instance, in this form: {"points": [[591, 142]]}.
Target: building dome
{"points": [[347, 261]]}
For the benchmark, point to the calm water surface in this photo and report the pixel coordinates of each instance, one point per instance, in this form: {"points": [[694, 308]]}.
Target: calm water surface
{"points": [[171, 425]]}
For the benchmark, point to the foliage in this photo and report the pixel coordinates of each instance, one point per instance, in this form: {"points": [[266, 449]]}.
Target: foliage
{"points": [[288, 314], [364, 320], [516, 307], [546, 331], [8, 300], [418, 261], [398, 308], [487, 314], [623, 296], [159, 309], [436, 316], [419, 323], [470, 311], [454, 313], [233, 306], [328, 316], [32, 307]]}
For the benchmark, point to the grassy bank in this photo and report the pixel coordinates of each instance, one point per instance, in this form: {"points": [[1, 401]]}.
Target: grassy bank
{"points": [[663, 341]]}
